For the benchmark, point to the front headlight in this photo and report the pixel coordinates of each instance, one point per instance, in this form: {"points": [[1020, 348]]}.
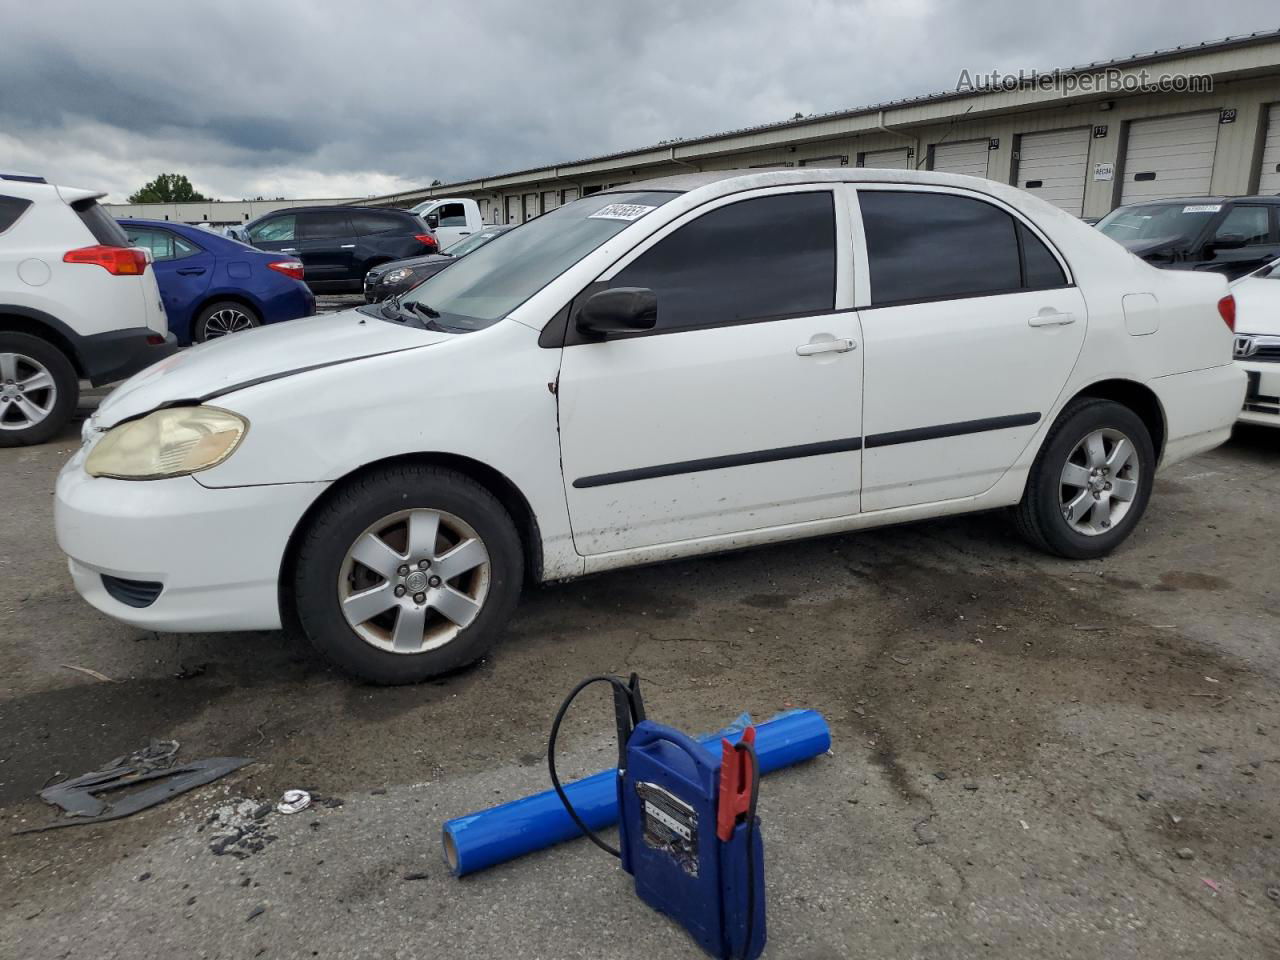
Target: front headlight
{"points": [[395, 276], [167, 443]]}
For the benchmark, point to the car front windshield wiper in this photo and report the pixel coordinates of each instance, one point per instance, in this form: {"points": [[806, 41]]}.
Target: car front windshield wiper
{"points": [[423, 309]]}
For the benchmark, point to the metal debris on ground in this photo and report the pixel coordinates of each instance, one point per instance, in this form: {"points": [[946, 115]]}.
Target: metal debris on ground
{"points": [[87, 798], [293, 801]]}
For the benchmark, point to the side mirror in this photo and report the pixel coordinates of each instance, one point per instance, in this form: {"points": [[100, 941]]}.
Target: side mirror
{"points": [[433, 221], [620, 310]]}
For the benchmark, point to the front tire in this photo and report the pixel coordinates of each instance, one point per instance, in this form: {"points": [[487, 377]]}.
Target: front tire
{"points": [[222, 319], [39, 390], [1091, 481], [407, 573]]}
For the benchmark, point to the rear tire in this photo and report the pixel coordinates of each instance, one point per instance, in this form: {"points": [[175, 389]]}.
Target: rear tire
{"points": [[223, 318], [39, 390], [1091, 481], [407, 573]]}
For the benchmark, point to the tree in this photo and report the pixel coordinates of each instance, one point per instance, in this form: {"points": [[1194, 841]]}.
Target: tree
{"points": [[167, 188]]}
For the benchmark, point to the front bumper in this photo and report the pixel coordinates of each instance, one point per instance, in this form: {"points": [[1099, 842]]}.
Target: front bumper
{"points": [[1262, 398], [215, 553], [117, 354]]}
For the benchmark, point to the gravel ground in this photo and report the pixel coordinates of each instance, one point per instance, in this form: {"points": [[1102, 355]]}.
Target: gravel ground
{"points": [[1031, 757]]}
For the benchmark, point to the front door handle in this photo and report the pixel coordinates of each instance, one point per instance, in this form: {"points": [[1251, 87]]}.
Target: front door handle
{"points": [[347, 246], [1051, 318], [191, 271], [288, 249], [825, 346]]}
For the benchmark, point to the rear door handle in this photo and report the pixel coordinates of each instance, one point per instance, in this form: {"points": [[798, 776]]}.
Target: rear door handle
{"points": [[288, 249], [191, 271], [825, 346], [347, 246], [1051, 318]]}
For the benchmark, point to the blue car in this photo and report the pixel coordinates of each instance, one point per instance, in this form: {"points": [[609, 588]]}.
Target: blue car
{"points": [[212, 285]]}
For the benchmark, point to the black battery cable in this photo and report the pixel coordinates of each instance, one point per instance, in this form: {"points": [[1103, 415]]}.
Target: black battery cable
{"points": [[628, 708]]}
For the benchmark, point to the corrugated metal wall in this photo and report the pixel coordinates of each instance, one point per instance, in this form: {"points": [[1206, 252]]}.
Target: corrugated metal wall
{"points": [[1237, 159]]}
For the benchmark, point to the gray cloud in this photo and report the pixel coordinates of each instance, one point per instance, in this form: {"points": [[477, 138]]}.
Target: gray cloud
{"points": [[308, 99]]}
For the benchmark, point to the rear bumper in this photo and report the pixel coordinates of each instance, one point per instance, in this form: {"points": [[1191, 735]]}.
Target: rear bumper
{"points": [[1262, 396], [1200, 407], [117, 354]]}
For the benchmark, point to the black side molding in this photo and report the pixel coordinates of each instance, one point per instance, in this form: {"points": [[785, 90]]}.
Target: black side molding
{"points": [[914, 435], [719, 463], [959, 429]]}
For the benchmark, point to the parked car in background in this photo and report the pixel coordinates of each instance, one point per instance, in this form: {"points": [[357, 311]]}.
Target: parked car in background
{"points": [[398, 276], [705, 362], [212, 285], [1228, 235], [76, 302], [338, 245], [236, 232], [450, 218], [1257, 345]]}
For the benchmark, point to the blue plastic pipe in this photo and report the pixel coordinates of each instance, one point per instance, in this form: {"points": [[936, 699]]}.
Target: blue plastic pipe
{"points": [[480, 840]]}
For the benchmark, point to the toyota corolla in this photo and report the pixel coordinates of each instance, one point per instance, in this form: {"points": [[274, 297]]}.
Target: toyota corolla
{"points": [[701, 363]]}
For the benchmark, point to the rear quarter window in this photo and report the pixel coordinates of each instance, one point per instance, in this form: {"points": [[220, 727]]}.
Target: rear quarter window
{"points": [[11, 208], [101, 224]]}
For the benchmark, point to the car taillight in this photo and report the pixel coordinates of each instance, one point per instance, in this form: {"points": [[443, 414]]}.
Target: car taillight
{"points": [[290, 268], [427, 240], [120, 261], [1227, 310]]}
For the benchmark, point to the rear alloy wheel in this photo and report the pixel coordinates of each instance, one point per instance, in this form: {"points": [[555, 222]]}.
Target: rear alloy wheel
{"points": [[1091, 481], [222, 319], [38, 390], [407, 573]]}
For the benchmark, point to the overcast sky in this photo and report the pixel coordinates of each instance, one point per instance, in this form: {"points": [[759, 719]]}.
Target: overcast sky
{"points": [[303, 98]]}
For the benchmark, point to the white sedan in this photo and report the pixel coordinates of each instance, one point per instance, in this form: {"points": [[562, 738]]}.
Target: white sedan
{"points": [[1257, 347], [700, 363]]}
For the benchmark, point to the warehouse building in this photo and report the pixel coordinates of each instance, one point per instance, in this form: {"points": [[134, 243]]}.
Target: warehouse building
{"points": [[1191, 121]]}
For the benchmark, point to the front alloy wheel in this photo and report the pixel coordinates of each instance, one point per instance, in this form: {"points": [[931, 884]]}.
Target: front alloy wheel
{"points": [[406, 572], [412, 580]]}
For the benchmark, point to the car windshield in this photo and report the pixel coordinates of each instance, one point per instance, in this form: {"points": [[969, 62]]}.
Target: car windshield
{"points": [[484, 287], [473, 242], [1173, 222]]}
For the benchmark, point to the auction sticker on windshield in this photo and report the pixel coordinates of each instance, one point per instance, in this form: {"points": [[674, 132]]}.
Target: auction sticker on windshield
{"points": [[1202, 208], [622, 211]]}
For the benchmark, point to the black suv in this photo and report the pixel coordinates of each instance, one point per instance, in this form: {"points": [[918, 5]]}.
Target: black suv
{"points": [[338, 245], [1230, 235]]}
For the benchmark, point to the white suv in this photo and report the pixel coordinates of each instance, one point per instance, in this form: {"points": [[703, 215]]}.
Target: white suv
{"points": [[76, 302]]}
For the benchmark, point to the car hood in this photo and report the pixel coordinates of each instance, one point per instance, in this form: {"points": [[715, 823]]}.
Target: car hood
{"points": [[214, 369], [428, 260], [1257, 305]]}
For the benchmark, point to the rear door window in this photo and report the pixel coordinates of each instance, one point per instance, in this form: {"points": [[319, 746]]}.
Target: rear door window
{"points": [[163, 244], [11, 208], [930, 246], [101, 224], [767, 257], [366, 222], [323, 225]]}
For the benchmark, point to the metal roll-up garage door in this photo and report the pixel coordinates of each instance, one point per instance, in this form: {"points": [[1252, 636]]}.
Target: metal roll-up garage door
{"points": [[1053, 166], [1170, 157], [1269, 182], [968, 157], [895, 159]]}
